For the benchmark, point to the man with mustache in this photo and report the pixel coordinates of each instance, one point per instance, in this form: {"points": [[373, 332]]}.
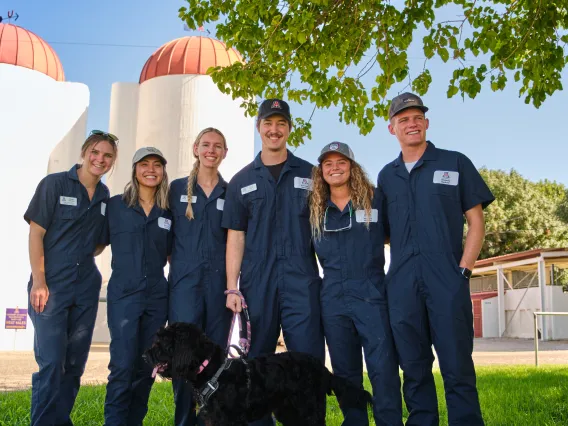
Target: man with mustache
{"points": [[269, 249]]}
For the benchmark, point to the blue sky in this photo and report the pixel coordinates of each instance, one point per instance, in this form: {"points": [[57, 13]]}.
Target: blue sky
{"points": [[103, 42]]}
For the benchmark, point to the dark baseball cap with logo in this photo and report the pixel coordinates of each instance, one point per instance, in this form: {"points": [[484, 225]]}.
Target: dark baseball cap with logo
{"points": [[339, 147], [405, 101], [270, 107]]}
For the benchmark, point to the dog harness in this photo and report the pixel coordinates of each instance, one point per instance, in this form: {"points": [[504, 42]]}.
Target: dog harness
{"points": [[208, 389]]}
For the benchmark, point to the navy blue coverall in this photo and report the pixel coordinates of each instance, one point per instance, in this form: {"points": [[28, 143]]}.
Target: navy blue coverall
{"points": [[197, 279], [279, 276], [354, 308], [63, 331], [429, 299], [137, 304]]}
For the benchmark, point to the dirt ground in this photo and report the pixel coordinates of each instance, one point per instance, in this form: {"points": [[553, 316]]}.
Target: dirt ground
{"points": [[17, 367]]}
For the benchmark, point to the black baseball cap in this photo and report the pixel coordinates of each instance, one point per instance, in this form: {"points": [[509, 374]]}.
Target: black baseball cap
{"points": [[405, 101], [270, 107], [339, 147]]}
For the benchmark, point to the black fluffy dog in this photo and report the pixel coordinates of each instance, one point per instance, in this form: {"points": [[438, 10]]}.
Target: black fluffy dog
{"points": [[291, 385]]}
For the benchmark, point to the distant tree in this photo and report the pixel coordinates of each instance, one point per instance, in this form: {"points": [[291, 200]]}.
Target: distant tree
{"points": [[318, 51], [524, 215]]}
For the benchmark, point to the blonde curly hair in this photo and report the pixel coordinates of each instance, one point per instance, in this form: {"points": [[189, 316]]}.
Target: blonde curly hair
{"points": [[361, 190]]}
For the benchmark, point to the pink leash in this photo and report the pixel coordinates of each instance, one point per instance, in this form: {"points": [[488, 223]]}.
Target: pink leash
{"points": [[244, 335]]}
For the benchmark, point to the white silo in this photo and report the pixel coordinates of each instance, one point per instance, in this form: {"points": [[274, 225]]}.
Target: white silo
{"points": [[174, 100], [43, 122]]}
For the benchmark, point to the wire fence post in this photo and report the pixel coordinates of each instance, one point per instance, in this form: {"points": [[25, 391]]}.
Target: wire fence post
{"points": [[536, 314]]}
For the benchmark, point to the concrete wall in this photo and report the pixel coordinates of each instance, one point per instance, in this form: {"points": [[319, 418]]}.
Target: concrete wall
{"points": [[559, 324], [36, 114], [490, 317], [521, 324]]}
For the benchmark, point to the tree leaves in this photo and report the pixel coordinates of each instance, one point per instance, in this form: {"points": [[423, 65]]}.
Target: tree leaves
{"points": [[524, 216], [320, 51]]}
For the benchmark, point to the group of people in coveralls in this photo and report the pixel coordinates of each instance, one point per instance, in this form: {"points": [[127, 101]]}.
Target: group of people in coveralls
{"points": [[260, 234]]}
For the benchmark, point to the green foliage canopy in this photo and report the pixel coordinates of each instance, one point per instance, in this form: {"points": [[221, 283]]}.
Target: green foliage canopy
{"points": [[326, 45], [524, 216]]}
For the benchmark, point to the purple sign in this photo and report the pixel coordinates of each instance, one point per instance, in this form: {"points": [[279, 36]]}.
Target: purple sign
{"points": [[16, 319]]}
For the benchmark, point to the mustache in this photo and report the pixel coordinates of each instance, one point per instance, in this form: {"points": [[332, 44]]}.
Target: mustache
{"points": [[277, 134]]}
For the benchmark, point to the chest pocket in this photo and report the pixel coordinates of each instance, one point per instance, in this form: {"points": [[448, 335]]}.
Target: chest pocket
{"points": [[254, 201], [446, 190], [68, 212], [301, 198]]}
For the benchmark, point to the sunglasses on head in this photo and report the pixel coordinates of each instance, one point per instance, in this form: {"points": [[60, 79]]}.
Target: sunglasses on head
{"points": [[110, 136]]}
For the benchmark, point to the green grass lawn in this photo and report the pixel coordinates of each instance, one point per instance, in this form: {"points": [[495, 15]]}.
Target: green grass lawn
{"points": [[510, 396]]}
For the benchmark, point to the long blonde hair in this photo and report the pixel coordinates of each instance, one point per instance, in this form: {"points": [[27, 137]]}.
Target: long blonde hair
{"points": [[192, 178], [360, 188], [132, 191]]}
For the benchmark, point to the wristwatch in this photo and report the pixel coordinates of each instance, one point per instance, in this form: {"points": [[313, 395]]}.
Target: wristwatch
{"points": [[466, 272]]}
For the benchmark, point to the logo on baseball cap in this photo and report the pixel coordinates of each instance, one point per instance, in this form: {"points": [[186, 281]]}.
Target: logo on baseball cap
{"points": [[146, 152], [271, 107], [339, 147], [405, 101]]}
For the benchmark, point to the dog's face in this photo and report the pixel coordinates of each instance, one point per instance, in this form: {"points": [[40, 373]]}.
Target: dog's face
{"points": [[179, 350]]}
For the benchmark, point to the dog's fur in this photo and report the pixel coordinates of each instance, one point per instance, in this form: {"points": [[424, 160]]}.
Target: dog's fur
{"points": [[291, 385]]}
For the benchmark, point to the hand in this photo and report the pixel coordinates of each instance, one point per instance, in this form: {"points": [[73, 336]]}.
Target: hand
{"points": [[39, 295], [234, 303]]}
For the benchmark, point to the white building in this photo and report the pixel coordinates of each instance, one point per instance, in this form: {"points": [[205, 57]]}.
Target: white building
{"points": [[43, 123], [172, 102], [507, 290]]}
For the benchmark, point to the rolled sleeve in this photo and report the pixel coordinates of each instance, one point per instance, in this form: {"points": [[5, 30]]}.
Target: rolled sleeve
{"points": [[235, 214], [42, 206], [473, 189]]}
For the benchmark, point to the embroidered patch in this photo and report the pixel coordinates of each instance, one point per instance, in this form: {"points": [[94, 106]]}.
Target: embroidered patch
{"points": [[303, 183], [68, 201], [333, 146], [361, 216], [446, 177], [164, 223], [247, 189]]}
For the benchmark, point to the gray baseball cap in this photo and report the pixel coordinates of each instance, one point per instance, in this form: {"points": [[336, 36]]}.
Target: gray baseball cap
{"points": [[339, 147], [405, 101], [147, 151]]}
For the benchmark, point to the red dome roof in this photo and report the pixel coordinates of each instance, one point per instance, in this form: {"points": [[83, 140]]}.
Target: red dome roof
{"points": [[188, 55], [23, 48]]}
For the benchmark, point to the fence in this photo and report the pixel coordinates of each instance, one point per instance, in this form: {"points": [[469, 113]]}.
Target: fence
{"points": [[536, 315]]}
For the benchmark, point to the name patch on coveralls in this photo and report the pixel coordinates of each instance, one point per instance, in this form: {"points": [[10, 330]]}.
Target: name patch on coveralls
{"points": [[103, 208], [446, 178], [247, 189], [303, 183], [361, 216], [183, 199], [220, 204], [68, 201], [164, 223]]}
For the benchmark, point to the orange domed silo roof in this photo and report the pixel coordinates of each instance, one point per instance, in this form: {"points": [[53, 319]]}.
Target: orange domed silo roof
{"points": [[188, 55], [23, 48]]}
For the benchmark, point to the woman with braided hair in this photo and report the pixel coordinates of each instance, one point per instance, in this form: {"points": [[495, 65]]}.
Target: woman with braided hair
{"points": [[349, 237], [197, 278]]}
